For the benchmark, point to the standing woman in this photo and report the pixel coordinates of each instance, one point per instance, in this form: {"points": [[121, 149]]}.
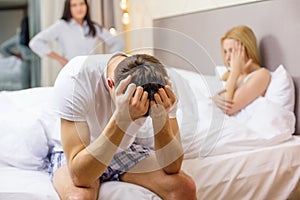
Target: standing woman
{"points": [[246, 79], [76, 34]]}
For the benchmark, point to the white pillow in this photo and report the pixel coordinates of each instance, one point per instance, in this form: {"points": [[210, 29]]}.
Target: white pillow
{"points": [[193, 91], [281, 88], [207, 85], [219, 71], [23, 142]]}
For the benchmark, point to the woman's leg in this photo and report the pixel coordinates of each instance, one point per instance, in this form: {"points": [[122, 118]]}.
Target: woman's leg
{"points": [[68, 191]]}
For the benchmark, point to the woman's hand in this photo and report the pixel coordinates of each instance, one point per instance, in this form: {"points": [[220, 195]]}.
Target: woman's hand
{"points": [[221, 102], [63, 61], [239, 60]]}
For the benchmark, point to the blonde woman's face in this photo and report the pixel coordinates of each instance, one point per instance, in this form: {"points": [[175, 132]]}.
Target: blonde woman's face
{"points": [[228, 46], [78, 9]]}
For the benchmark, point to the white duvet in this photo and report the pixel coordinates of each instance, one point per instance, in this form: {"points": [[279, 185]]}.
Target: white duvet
{"points": [[206, 131]]}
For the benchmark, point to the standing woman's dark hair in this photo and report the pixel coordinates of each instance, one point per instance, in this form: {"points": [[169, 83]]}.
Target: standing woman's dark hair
{"points": [[67, 16]]}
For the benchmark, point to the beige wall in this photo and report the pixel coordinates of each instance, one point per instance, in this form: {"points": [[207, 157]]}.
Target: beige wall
{"points": [[142, 13], [50, 12]]}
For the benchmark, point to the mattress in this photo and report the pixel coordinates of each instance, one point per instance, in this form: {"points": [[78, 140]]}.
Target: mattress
{"points": [[265, 173], [19, 184]]}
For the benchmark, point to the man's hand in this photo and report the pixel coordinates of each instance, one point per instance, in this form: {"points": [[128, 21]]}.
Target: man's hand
{"points": [[139, 103], [173, 109], [165, 104], [130, 105], [121, 114], [166, 98]]}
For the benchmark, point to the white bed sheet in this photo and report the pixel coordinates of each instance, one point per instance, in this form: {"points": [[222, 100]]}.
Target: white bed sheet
{"points": [[23, 184], [265, 173]]}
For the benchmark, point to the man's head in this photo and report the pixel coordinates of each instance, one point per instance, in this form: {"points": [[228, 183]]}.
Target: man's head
{"points": [[145, 70]]}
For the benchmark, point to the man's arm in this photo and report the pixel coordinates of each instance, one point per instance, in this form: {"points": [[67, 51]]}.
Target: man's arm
{"points": [[86, 161], [168, 145]]}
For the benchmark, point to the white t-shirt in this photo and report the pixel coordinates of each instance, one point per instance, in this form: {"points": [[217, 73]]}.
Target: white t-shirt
{"points": [[82, 94], [72, 38]]}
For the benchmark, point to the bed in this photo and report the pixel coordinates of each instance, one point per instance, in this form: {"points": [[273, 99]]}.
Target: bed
{"points": [[264, 167]]}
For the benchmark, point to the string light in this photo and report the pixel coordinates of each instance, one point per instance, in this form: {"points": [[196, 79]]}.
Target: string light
{"points": [[123, 4], [113, 30], [125, 18], [125, 13]]}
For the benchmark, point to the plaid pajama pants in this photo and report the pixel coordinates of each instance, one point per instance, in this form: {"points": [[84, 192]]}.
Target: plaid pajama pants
{"points": [[121, 163]]}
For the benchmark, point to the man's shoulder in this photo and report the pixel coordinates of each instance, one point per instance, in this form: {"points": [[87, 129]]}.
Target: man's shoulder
{"points": [[88, 68], [89, 61], [93, 57]]}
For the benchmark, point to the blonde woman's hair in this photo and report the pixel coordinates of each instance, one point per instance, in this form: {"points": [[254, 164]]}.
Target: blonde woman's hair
{"points": [[246, 36]]}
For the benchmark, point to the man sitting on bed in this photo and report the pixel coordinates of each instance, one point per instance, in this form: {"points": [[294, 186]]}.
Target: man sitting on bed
{"points": [[102, 101]]}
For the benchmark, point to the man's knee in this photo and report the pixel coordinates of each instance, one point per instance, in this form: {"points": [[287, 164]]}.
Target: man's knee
{"points": [[183, 186], [186, 183]]}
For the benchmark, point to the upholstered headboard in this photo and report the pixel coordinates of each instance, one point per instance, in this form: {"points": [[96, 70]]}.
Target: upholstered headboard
{"points": [[275, 23]]}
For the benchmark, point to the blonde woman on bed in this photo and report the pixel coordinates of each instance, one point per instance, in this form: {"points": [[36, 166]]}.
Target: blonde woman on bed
{"points": [[245, 79]]}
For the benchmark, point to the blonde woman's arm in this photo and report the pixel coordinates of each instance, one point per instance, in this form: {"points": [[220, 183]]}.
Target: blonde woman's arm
{"points": [[254, 87]]}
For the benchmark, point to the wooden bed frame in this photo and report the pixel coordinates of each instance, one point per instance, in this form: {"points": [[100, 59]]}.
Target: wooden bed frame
{"points": [[192, 41]]}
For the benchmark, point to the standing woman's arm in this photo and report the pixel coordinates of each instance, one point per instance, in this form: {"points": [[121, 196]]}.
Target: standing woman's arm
{"points": [[39, 44]]}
